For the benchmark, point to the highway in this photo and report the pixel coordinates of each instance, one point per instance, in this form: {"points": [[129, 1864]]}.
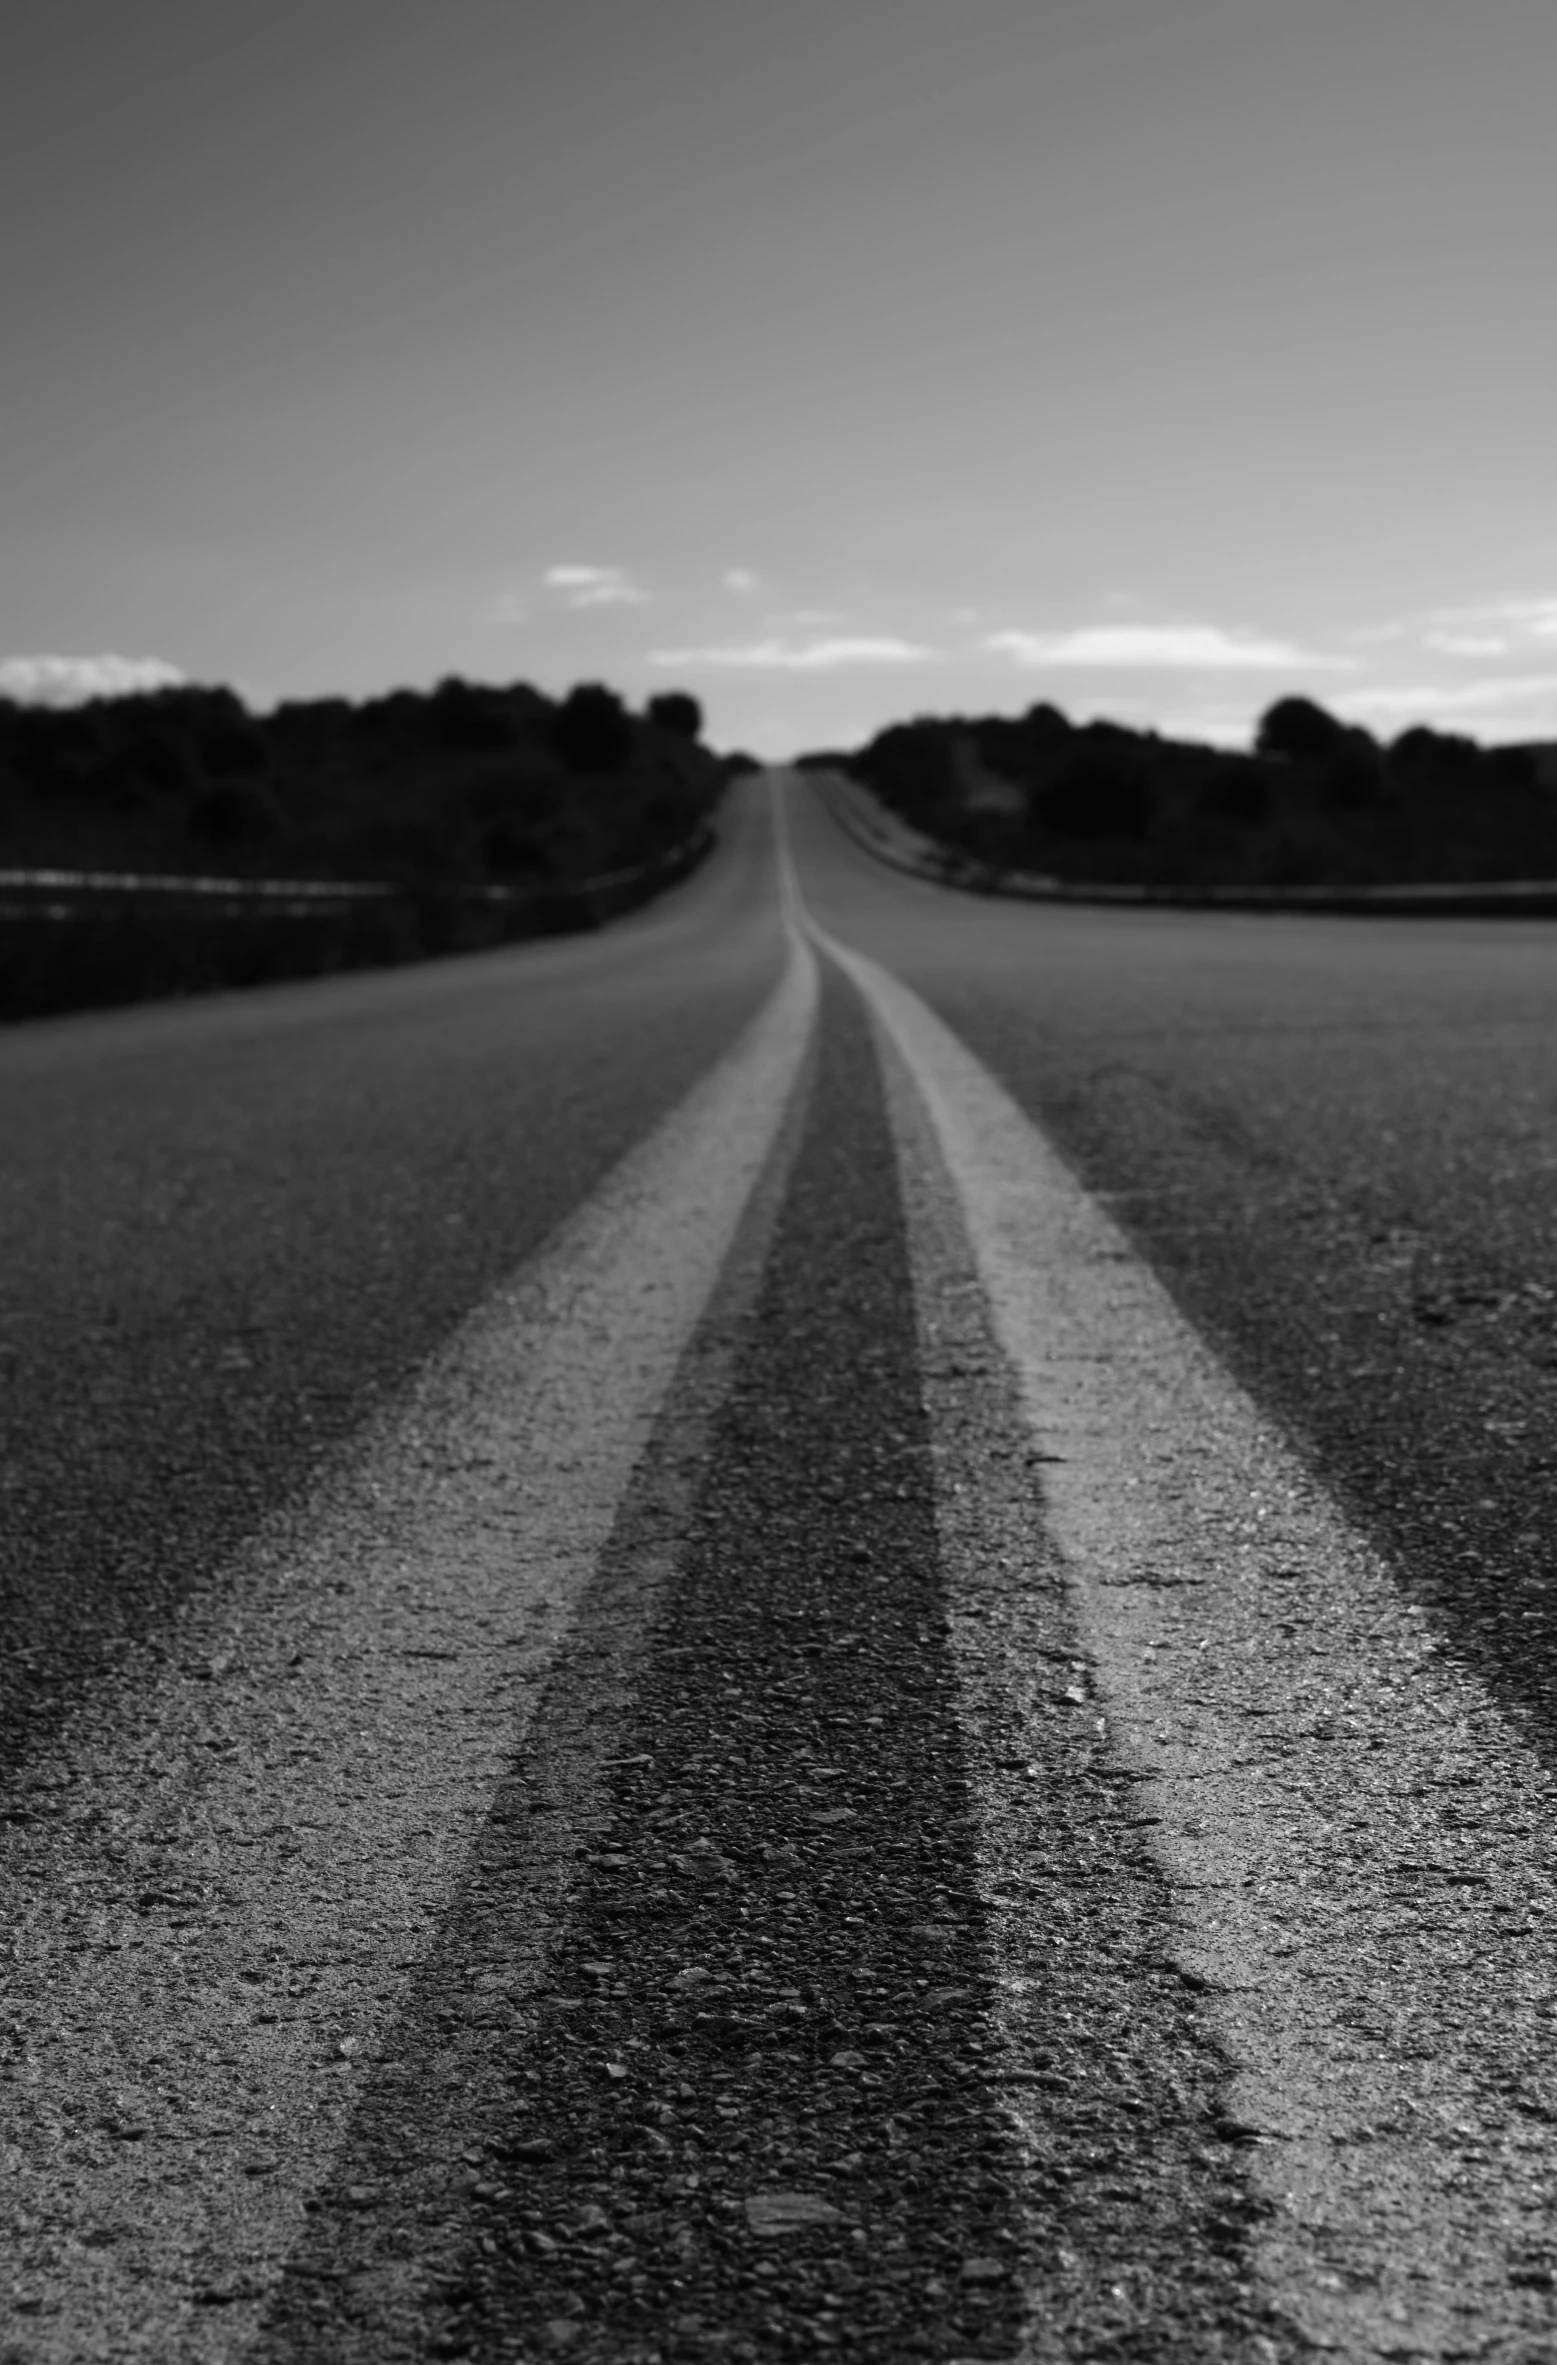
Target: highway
{"points": [[820, 1626]]}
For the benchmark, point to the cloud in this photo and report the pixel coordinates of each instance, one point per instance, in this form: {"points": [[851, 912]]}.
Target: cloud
{"points": [[69, 681], [1534, 618], [1480, 697], [1194, 647], [1467, 644], [595, 587], [740, 579], [609, 595], [820, 656], [1483, 628]]}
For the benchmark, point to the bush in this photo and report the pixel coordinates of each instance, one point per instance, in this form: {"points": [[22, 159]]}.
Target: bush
{"points": [[1513, 769], [235, 814], [592, 731], [677, 712], [149, 768], [1027, 748], [912, 769], [233, 755], [1300, 730], [1047, 724], [1352, 776], [1098, 793], [517, 799], [1237, 791], [468, 721], [508, 850], [52, 751]]}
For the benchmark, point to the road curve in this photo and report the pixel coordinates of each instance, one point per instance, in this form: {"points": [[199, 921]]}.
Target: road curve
{"points": [[819, 1626]]}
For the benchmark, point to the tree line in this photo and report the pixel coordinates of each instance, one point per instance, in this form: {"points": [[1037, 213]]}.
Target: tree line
{"points": [[1315, 799], [465, 784]]}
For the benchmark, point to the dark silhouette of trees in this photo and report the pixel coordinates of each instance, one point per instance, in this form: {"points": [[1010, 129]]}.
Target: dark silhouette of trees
{"points": [[466, 783], [1317, 800], [234, 754], [235, 813], [1424, 750], [1345, 765], [912, 768], [593, 731], [676, 711], [1513, 768], [1235, 790], [1100, 791], [149, 770], [469, 720], [1353, 776], [1299, 729], [55, 751]]}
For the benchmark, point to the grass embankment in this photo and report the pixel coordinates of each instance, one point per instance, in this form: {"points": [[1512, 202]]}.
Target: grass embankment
{"points": [[1315, 802], [482, 814]]}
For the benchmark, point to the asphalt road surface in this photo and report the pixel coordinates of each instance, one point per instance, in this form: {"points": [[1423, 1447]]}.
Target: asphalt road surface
{"points": [[822, 1626]]}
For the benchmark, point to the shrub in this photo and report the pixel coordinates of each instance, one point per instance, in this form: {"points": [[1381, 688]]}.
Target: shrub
{"points": [[468, 721], [592, 731], [1299, 729], [1352, 776], [147, 767], [52, 751], [1098, 793], [233, 754], [1237, 791], [677, 712], [515, 799], [235, 813], [1513, 768], [1047, 723], [508, 849], [912, 769]]}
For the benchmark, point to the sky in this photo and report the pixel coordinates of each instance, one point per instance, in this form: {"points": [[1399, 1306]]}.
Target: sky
{"points": [[837, 361]]}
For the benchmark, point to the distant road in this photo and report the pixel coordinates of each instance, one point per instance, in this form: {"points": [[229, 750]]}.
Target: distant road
{"points": [[824, 1623]]}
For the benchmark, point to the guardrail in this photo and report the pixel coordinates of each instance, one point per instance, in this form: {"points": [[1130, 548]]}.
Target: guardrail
{"points": [[72, 940], [100, 890], [855, 810]]}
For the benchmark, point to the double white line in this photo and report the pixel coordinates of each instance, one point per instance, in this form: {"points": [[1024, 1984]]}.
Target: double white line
{"points": [[250, 1853], [1382, 1986], [212, 1939]]}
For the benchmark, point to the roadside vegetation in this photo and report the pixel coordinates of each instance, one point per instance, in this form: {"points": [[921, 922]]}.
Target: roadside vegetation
{"points": [[1316, 800], [479, 813]]}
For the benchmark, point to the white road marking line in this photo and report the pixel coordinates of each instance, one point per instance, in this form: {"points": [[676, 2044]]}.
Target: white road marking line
{"points": [[1382, 1977], [236, 1865]]}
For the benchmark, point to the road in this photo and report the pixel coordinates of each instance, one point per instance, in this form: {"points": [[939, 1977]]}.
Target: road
{"points": [[822, 1625]]}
